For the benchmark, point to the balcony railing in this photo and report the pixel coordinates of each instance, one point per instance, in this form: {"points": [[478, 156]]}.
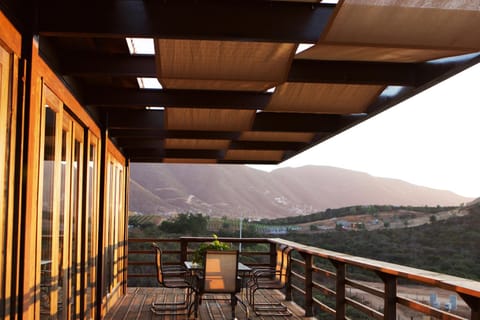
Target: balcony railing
{"points": [[332, 284]]}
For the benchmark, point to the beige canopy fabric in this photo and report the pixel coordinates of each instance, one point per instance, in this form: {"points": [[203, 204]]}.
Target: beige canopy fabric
{"points": [[238, 84]]}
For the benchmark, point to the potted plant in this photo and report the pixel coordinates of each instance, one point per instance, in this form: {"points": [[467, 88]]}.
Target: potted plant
{"points": [[214, 245]]}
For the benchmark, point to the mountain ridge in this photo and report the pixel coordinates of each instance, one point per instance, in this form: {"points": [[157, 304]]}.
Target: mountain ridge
{"points": [[235, 190]]}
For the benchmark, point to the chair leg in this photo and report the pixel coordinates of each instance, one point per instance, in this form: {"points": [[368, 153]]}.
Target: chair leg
{"points": [[233, 301], [196, 303]]}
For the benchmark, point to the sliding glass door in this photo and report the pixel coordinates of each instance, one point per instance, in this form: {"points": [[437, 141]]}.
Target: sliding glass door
{"points": [[51, 180], [61, 227], [7, 121]]}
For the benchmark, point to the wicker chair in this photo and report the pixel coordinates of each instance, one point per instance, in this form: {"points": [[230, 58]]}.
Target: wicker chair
{"points": [[219, 276], [174, 277]]}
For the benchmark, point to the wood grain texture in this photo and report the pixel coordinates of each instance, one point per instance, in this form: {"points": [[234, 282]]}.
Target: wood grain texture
{"points": [[9, 36], [208, 119], [360, 52], [276, 136], [422, 24], [222, 65], [136, 305], [201, 144], [258, 155], [323, 98]]}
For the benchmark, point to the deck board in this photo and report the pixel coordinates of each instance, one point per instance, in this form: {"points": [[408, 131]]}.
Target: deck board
{"points": [[136, 305]]}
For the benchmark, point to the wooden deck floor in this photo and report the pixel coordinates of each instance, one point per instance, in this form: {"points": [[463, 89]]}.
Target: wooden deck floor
{"points": [[136, 305]]}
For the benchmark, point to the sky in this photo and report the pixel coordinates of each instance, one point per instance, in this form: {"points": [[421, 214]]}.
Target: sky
{"points": [[431, 139]]}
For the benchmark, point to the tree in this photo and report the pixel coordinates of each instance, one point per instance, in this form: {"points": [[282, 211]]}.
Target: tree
{"points": [[186, 224]]}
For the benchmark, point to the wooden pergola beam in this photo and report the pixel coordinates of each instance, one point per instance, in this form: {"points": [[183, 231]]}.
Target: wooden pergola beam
{"points": [[186, 19], [264, 121], [315, 71], [124, 98]]}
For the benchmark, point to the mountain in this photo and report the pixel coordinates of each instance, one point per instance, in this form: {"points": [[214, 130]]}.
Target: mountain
{"points": [[235, 190]]}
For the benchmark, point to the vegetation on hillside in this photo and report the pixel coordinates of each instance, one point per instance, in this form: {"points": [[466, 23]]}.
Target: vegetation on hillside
{"points": [[350, 211], [447, 246]]}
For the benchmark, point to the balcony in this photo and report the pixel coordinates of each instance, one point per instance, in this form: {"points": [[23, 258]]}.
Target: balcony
{"points": [[323, 284]]}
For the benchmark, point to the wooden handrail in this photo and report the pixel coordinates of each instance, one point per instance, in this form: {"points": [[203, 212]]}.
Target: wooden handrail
{"points": [[443, 281], [308, 287]]}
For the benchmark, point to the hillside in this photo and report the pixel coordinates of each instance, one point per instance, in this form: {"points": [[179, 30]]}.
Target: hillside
{"points": [[230, 190], [448, 245]]}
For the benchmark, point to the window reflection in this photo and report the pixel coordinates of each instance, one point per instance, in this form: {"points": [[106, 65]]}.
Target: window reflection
{"points": [[46, 276]]}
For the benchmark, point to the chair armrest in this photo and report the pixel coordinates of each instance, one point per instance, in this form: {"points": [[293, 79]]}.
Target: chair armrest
{"points": [[261, 271], [173, 267], [174, 273]]}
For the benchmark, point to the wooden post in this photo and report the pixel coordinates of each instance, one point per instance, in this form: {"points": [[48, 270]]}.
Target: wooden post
{"points": [[183, 249], [474, 304], [273, 253], [340, 290], [125, 236], [100, 283], [390, 298], [84, 265], [308, 284]]}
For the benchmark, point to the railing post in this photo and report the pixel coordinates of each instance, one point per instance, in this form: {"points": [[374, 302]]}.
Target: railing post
{"points": [[273, 253], [288, 283], [390, 298], [474, 304], [183, 249], [340, 290], [308, 284]]}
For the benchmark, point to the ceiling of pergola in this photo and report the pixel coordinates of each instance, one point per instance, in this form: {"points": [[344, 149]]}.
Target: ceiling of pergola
{"points": [[217, 60]]}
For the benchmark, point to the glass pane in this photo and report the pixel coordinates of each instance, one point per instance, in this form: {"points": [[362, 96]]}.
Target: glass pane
{"points": [[90, 229], [46, 279], [63, 264], [5, 134], [109, 226], [75, 266]]}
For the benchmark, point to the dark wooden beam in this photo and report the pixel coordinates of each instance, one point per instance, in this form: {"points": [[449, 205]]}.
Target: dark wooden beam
{"points": [[109, 65], [266, 145], [354, 72], [135, 120], [248, 161], [149, 159], [270, 21], [315, 71], [199, 154], [126, 133], [264, 121], [143, 152], [139, 143], [303, 122], [152, 133], [108, 97], [163, 153]]}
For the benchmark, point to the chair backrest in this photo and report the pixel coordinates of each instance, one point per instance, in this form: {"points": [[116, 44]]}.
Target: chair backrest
{"points": [[221, 271], [158, 262], [282, 269], [279, 256]]}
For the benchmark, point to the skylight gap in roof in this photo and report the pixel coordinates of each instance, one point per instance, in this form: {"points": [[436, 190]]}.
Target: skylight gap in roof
{"points": [[459, 58], [330, 1], [154, 108], [149, 83], [303, 47], [141, 46], [391, 91]]}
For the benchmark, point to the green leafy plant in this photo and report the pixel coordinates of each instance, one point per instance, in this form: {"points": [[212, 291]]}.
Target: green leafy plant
{"points": [[214, 245]]}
